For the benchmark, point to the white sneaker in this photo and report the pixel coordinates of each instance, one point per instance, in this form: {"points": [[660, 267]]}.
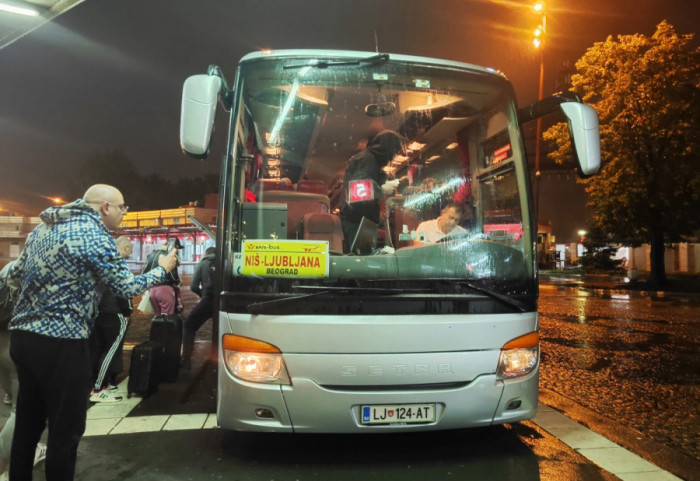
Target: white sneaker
{"points": [[40, 453], [105, 396]]}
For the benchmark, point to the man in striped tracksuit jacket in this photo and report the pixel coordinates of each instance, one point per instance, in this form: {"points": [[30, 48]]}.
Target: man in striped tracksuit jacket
{"points": [[68, 262]]}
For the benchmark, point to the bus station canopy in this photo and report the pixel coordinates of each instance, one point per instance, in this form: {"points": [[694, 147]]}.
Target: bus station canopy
{"points": [[19, 17]]}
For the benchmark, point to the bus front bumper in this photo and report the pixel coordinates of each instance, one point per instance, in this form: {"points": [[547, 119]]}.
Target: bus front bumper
{"points": [[307, 407]]}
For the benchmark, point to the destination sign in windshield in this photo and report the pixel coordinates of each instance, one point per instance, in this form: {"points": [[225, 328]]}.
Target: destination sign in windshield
{"points": [[284, 258]]}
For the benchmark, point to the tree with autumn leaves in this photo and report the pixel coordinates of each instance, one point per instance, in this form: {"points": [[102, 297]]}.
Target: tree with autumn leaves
{"points": [[646, 91]]}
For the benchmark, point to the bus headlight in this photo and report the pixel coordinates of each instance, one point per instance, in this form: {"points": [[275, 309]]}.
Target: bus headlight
{"points": [[254, 361], [519, 356]]}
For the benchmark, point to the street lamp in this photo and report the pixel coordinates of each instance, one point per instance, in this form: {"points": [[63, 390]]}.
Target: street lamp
{"points": [[580, 248], [538, 41], [542, 28]]}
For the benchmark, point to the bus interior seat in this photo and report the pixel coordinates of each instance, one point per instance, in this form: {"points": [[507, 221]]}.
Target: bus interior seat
{"points": [[313, 186], [407, 217], [402, 216], [265, 185], [298, 204], [323, 226]]}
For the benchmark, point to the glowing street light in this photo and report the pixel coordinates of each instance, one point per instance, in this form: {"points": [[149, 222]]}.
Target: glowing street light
{"points": [[538, 41], [541, 29], [539, 32], [53, 199]]}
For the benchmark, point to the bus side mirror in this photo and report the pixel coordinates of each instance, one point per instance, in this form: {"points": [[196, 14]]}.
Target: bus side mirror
{"points": [[200, 94], [585, 136]]}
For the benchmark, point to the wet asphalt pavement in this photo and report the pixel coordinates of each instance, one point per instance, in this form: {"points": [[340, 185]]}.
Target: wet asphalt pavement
{"points": [[623, 364], [630, 357]]}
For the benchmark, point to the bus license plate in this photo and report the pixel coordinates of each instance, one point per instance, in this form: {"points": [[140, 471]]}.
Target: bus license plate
{"points": [[398, 413]]}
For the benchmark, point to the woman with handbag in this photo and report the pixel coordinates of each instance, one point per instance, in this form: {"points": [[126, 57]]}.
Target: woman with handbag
{"points": [[165, 297]]}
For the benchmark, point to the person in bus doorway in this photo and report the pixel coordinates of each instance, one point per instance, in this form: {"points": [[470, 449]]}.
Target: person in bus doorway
{"points": [[202, 285], [431, 231], [67, 263], [365, 183], [165, 297], [107, 338]]}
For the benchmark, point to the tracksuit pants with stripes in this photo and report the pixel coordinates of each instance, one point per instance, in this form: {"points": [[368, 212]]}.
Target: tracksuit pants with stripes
{"points": [[106, 344]]}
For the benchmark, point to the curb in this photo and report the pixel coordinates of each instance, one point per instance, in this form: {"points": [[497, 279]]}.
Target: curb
{"points": [[677, 462]]}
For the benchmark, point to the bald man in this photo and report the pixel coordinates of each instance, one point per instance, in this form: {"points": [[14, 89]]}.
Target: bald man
{"points": [[432, 231], [68, 261]]}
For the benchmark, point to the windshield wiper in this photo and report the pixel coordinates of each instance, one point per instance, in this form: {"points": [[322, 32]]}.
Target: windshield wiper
{"points": [[392, 290], [495, 295], [359, 62], [257, 307]]}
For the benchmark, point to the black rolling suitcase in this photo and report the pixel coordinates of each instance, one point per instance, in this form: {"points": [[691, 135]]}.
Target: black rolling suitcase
{"points": [[144, 370], [166, 330]]}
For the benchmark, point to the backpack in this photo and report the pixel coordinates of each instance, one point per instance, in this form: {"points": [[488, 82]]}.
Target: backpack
{"points": [[209, 277]]}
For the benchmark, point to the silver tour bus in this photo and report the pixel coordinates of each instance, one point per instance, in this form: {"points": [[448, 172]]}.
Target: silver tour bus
{"points": [[368, 285]]}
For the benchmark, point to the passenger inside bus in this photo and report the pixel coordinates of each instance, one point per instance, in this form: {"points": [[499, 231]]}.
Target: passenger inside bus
{"points": [[447, 224], [365, 181]]}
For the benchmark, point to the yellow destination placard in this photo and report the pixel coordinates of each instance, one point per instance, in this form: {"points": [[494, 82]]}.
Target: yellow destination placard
{"points": [[285, 258]]}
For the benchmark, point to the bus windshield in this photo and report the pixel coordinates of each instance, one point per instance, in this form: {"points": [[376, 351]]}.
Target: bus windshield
{"points": [[383, 184]]}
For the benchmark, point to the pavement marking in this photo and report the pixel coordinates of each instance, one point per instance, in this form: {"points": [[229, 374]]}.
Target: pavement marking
{"points": [[608, 455], [112, 410], [211, 423], [179, 422], [143, 424], [111, 418], [105, 419], [100, 427]]}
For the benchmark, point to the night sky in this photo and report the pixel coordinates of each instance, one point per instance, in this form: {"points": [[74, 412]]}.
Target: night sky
{"points": [[107, 75]]}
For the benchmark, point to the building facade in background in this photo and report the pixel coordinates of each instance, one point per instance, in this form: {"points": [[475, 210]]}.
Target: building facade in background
{"points": [[13, 235], [146, 229], [150, 229]]}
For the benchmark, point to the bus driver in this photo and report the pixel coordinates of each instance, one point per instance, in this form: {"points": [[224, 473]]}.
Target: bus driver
{"points": [[431, 231]]}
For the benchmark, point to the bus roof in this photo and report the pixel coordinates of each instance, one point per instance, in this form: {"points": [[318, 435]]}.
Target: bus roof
{"points": [[312, 53]]}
